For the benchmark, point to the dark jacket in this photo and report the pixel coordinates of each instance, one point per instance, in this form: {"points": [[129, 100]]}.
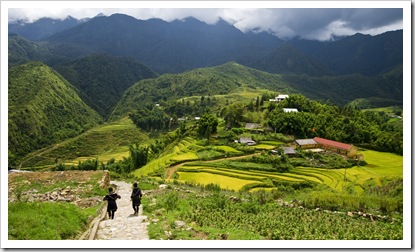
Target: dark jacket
{"points": [[111, 198], [136, 196]]}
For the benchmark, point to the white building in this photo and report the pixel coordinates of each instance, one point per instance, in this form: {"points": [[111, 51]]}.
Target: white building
{"points": [[279, 98], [290, 110]]}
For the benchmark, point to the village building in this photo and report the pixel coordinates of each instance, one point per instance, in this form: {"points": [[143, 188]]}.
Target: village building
{"points": [[290, 110], [279, 98], [247, 141], [289, 151], [252, 126], [306, 144], [341, 148]]}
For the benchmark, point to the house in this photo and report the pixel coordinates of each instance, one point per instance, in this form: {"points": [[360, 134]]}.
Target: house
{"points": [[345, 149], [306, 143], [252, 126], [289, 151], [279, 98], [290, 110], [247, 141]]}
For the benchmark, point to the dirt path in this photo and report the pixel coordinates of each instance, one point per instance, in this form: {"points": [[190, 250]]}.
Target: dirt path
{"points": [[171, 170], [125, 225]]}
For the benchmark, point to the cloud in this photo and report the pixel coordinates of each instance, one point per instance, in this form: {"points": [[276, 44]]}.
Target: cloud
{"points": [[307, 23]]}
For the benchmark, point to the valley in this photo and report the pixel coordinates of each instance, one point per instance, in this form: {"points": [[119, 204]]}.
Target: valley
{"points": [[230, 135]]}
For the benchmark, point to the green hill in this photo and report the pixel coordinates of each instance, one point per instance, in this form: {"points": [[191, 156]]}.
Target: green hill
{"points": [[43, 109], [341, 90], [224, 79], [102, 79]]}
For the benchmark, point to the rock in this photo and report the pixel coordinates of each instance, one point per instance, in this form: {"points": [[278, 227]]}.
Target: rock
{"points": [[350, 214], [223, 236], [163, 186], [179, 224], [234, 199]]}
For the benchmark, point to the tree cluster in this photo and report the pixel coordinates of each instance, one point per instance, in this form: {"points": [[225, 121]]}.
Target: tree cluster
{"points": [[369, 129]]}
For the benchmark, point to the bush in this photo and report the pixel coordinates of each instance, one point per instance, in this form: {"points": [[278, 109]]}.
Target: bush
{"points": [[171, 201]]}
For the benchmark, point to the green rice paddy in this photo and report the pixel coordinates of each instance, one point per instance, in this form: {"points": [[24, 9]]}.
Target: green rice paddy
{"points": [[379, 165]]}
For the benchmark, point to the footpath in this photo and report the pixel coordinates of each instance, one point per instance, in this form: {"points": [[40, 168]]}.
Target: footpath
{"points": [[125, 225]]}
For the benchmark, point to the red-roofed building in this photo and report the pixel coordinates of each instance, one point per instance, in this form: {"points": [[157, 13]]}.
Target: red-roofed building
{"points": [[345, 149]]}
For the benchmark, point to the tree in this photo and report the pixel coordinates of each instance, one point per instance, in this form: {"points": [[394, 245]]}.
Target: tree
{"points": [[139, 155], [207, 125]]}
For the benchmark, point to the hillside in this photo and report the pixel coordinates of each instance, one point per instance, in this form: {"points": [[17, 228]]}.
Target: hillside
{"points": [[220, 80], [342, 89], [359, 53], [102, 79], [43, 27], [22, 50], [166, 47], [43, 109], [288, 59]]}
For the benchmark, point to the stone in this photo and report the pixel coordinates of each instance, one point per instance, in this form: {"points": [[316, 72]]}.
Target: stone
{"points": [[179, 224]]}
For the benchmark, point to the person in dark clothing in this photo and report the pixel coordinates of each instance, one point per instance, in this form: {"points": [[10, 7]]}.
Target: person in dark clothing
{"points": [[136, 198], [111, 197]]}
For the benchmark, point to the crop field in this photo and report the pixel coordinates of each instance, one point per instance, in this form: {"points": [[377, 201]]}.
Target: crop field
{"points": [[263, 146], [178, 153], [380, 166], [205, 178]]}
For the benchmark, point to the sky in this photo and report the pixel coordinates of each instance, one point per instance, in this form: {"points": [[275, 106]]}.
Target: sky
{"points": [[285, 22]]}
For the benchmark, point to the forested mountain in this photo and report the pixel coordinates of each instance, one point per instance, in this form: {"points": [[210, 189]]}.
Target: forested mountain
{"points": [[43, 27], [364, 54], [22, 50], [168, 47], [222, 79], [180, 45], [43, 109], [342, 89], [287, 59], [102, 79], [228, 77]]}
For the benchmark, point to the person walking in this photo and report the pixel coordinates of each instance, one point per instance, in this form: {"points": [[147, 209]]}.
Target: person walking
{"points": [[111, 197], [136, 198]]}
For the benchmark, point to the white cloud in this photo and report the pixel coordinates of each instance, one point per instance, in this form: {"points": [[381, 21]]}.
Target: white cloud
{"points": [[309, 23]]}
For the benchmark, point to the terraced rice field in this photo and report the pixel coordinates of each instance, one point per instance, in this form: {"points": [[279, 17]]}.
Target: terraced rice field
{"points": [[389, 165], [205, 178], [180, 152]]}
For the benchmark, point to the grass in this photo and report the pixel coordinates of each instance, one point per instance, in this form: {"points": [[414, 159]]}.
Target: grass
{"points": [[104, 142], [214, 215], [45, 221]]}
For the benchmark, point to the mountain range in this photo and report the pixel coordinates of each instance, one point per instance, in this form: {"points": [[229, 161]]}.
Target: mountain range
{"points": [[182, 45], [100, 69]]}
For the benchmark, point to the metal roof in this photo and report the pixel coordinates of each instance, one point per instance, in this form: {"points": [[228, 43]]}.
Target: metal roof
{"points": [[305, 141], [332, 143]]}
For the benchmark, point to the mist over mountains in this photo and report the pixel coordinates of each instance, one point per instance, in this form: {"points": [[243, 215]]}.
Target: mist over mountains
{"points": [[182, 45]]}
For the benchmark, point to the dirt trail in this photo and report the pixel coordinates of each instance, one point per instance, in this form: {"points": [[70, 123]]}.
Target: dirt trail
{"points": [[125, 225]]}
